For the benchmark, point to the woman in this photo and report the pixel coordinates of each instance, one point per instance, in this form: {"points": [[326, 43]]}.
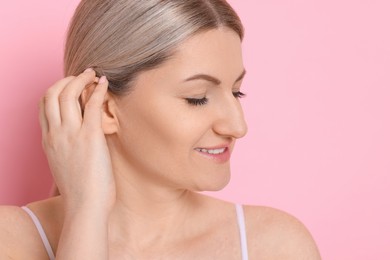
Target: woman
{"points": [[133, 138]]}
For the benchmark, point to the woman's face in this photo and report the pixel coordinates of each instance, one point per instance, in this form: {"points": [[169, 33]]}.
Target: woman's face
{"points": [[179, 124]]}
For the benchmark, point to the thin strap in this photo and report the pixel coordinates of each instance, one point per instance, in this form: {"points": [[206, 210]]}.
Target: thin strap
{"points": [[42, 233], [241, 225]]}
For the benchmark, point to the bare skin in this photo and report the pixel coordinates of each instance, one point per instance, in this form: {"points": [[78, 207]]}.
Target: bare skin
{"points": [[130, 168], [271, 234]]}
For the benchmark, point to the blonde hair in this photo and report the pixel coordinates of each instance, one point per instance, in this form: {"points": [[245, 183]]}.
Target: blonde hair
{"points": [[121, 38]]}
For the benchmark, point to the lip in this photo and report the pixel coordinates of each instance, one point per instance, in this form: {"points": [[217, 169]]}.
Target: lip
{"points": [[219, 158]]}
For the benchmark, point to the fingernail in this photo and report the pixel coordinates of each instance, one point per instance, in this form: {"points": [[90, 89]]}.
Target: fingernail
{"points": [[102, 80], [88, 70]]}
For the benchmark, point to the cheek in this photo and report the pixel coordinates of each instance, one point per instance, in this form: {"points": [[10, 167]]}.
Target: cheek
{"points": [[163, 124], [166, 133]]}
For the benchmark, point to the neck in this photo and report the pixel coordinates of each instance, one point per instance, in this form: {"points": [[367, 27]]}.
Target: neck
{"points": [[149, 214]]}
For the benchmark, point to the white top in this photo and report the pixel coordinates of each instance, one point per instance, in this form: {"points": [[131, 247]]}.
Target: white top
{"points": [[41, 232], [241, 225], [240, 220]]}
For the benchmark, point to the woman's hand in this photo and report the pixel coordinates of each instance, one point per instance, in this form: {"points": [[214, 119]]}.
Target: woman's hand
{"points": [[79, 159], [75, 144]]}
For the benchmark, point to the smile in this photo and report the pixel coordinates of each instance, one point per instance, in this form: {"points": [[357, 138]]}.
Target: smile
{"points": [[218, 155], [211, 151]]}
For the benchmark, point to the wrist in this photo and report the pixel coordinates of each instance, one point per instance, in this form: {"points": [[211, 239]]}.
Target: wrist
{"points": [[93, 207]]}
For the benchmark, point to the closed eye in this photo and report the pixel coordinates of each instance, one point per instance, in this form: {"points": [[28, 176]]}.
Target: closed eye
{"points": [[197, 101], [238, 94], [203, 101]]}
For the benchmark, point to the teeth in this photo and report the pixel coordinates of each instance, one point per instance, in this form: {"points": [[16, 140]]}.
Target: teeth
{"points": [[214, 151]]}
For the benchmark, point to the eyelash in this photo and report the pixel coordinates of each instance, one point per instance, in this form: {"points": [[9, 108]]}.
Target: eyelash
{"points": [[203, 101], [238, 94]]}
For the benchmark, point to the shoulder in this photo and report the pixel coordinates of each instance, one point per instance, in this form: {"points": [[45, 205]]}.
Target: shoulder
{"points": [[275, 234], [12, 221], [17, 232], [19, 238]]}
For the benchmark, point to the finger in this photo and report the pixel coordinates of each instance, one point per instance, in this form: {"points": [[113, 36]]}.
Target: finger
{"points": [[42, 118], [51, 105], [69, 98], [93, 108]]}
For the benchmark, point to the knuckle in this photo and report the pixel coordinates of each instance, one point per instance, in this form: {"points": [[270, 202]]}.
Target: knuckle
{"points": [[66, 96], [41, 102], [49, 93], [56, 142], [48, 144], [52, 90], [46, 99], [66, 80]]}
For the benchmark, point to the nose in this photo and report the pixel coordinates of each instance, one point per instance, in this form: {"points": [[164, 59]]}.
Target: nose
{"points": [[230, 121]]}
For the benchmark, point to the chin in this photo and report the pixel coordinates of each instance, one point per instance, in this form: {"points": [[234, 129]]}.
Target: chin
{"points": [[215, 184]]}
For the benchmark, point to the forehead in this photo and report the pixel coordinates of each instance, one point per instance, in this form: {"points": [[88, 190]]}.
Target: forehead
{"points": [[207, 50], [216, 52]]}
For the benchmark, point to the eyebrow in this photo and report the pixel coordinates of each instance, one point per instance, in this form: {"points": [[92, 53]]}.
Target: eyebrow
{"points": [[212, 79]]}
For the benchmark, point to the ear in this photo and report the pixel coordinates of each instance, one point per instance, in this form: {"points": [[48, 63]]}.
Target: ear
{"points": [[109, 119]]}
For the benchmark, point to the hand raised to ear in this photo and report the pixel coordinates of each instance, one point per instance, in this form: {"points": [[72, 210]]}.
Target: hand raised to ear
{"points": [[75, 144]]}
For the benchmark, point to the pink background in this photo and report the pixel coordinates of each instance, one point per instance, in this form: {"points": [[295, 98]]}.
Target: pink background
{"points": [[318, 108]]}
